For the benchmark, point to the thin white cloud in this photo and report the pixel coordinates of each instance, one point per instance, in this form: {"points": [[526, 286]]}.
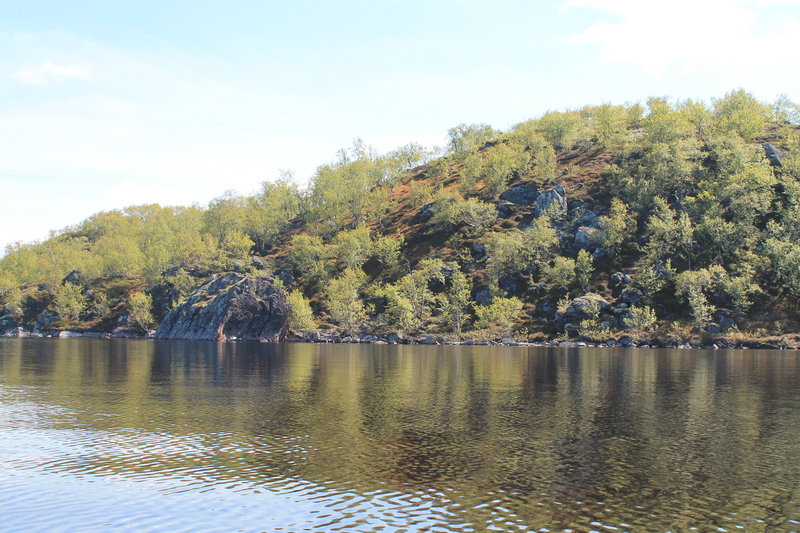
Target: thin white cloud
{"points": [[48, 72], [689, 36]]}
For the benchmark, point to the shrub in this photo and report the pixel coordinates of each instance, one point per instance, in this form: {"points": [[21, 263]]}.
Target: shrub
{"points": [[140, 306], [301, 318]]}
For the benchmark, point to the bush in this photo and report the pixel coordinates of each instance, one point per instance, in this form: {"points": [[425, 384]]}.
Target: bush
{"points": [[140, 307], [499, 318], [301, 317], [68, 300]]}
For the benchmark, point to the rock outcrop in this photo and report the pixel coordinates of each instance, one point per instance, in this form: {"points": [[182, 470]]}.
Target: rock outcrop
{"points": [[522, 194], [555, 198], [229, 306]]}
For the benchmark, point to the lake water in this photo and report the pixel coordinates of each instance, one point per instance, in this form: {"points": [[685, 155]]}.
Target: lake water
{"points": [[173, 436]]}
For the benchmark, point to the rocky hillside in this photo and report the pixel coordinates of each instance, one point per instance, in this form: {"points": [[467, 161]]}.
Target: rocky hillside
{"points": [[664, 223]]}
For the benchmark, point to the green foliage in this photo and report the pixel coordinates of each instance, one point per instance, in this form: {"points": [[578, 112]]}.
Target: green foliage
{"points": [[301, 317], [344, 301], [495, 166], [140, 306], [499, 318], [457, 301], [271, 211], [68, 300], [668, 234], [561, 274], [520, 252], [467, 138], [617, 228], [740, 112], [642, 318], [473, 216], [650, 278], [691, 286], [608, 123], [786, 111], [352, 248], [183, 284], [563, 130], [584, 266], [101, 305]]}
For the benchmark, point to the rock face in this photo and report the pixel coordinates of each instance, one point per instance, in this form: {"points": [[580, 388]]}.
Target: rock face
{"points": [[523, 194], [773, 154], [229, 306]]}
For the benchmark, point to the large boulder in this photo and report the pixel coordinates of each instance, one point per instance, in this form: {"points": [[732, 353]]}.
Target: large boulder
{"points": [[586, 238], [579, 309], [522, 194], [555, 198], [229, 306], [8, 325], [774, 155]]}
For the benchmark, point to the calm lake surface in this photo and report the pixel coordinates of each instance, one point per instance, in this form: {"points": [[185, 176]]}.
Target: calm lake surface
{"points": [[172, 436]]}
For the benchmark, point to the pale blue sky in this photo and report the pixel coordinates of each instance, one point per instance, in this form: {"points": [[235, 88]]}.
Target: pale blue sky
{"points": [[105, 105]]}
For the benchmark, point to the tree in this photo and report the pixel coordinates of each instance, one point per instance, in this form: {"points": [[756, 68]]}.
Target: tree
{"points": [[457, 301], [466, 138], [344, 301], [301, 317], [140, 306], [584, 265], [472, 215], [616, 228], [563, 130], [740, 112], [690, 286], [68, 300], [500, 317], [561, 274]]}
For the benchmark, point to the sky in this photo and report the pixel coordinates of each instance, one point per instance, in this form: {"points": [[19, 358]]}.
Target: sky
{"points": [[108, 104]]}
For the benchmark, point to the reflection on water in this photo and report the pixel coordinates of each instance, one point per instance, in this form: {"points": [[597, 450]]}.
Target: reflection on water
{"points": [[198, 436]]}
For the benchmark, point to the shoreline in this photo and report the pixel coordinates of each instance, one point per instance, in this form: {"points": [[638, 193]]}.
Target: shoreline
{"points": [[425, 340]]}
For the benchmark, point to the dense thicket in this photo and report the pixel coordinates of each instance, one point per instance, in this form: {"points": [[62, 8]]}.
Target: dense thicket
{"points": [[696, 206]]}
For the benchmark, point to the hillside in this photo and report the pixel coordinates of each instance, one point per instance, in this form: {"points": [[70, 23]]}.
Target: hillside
{"points": [[664, 223]]}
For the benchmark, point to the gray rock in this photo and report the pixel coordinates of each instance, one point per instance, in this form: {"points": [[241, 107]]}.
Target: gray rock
{"points": [[44, 320], [8, 324], [522, 194], [482, 296], [587, 217], [286, 276], [555, 198], [726, 323], [773, 154], [427, 211], [713, 329], [586, 238], [229, 305], [545, 308], [508, 283], [257, 263], [724, 319], [478, 250], [631, 296], [74, 278], [505, 209], [578, 310]]}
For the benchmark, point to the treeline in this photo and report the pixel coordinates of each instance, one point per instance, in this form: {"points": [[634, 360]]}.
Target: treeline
{"points": [[696, 206]]}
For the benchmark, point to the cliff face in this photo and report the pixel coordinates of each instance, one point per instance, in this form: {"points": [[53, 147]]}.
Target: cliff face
{"points": [[229, 306]]}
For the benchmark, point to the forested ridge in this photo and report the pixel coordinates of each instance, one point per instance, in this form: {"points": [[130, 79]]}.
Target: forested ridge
{"points": [[661, 222]]}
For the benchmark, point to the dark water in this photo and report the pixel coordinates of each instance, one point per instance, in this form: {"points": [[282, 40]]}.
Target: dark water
{"points": [[158, 436]]}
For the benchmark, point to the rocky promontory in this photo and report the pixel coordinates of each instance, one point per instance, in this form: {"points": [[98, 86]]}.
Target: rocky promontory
{"points": [[230, 306]]}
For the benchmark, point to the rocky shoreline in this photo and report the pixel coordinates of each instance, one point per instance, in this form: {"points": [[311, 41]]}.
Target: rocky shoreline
{"points": [[423, 340]]}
